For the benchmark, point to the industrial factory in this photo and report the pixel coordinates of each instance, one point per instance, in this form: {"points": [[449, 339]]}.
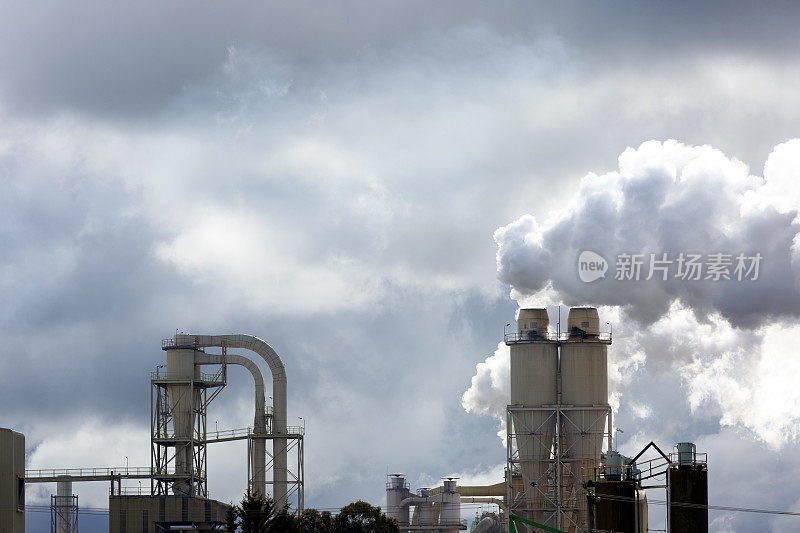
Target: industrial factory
{"points": [[562, 472], [178, 497]]}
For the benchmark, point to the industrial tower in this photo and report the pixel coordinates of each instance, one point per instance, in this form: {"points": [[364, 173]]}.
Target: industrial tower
{"points": [[558, 417], [180, 398]]}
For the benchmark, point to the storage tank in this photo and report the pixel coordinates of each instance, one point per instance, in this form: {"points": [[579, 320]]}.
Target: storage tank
{"points": [[584, 386], [534, 368], [688, 483], [184, 399], [619, 506]]}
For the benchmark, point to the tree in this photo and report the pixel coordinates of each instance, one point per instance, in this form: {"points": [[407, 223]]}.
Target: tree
{"points": [[283, 522], [312, 521], [231, 516], [259, 514], [254, 511], [361, 517]]}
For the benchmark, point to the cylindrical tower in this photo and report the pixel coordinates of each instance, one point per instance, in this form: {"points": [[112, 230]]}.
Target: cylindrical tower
{"points": [[396, 492], [425, 509], [584, 398], [450, 514], [688, 484], [534, 368], [184, 400], [65, 508]]}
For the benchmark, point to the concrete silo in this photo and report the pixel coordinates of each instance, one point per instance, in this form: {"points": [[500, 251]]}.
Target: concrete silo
{"points": [[534, 369], [585, 410], [558, 416]]}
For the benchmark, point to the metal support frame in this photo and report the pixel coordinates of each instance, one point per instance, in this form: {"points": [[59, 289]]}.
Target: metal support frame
{"points": [[559, 482], [164, 445], [295, 479], [63, 514]]}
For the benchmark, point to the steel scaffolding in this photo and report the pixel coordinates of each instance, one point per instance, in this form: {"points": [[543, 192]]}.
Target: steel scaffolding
{"points": [[166, 445], [63, 514]]}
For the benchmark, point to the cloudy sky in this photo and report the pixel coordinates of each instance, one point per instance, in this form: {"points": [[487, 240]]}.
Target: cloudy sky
{"points": [[374, 188]]}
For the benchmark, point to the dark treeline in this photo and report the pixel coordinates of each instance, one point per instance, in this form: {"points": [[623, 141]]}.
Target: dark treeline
{"points": [[258, 514]]}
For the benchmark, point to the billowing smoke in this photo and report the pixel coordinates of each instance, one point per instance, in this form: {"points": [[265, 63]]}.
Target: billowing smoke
{"points": [[696, 262], [678, 200], [489, 392]]}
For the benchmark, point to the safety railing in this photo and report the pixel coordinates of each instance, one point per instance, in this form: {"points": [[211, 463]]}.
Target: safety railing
{"points": [[698, 458], [403, 486], [241, 433], [123, 471], [173, 376], [622, 472], [130, 491], [533, 336]]}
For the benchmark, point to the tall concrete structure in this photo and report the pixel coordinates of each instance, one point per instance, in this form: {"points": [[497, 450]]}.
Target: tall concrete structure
{"points": [[534, 390], [585, 420], [64, 508], [12, 481], [558, 416]]}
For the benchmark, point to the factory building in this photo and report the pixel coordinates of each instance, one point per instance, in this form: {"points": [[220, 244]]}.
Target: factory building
{"points": [[178, 493], [12, 481], [562, 470]]}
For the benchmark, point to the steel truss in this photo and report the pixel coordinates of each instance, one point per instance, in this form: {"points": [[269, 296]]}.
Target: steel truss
{"points": [[63, 514], [166, 446], [293, 441], [556, 488]]}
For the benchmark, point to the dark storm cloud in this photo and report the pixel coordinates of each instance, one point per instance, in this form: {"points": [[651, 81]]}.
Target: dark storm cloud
{"points": [[129, 59]]}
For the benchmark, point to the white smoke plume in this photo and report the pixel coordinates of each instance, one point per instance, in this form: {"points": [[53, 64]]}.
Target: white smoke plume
{"points": [[490, 389], [669, 198], [729, 340]]}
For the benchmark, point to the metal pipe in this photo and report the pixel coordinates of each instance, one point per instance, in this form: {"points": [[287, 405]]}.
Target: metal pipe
{"points": [[498, 489], [279, 451], [494, 501], [259, 451]]}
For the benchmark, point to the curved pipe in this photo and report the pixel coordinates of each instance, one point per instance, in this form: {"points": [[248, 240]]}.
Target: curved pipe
{"points": [[254, 344], [260, 420], [415, 499]]}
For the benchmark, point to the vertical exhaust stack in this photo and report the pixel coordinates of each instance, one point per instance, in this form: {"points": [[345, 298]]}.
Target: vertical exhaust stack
{"points": [[534, 369], [584, 382]]}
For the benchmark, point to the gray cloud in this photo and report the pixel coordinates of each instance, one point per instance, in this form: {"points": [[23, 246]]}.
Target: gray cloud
{"points": [[125, 60], [364, 155]]}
